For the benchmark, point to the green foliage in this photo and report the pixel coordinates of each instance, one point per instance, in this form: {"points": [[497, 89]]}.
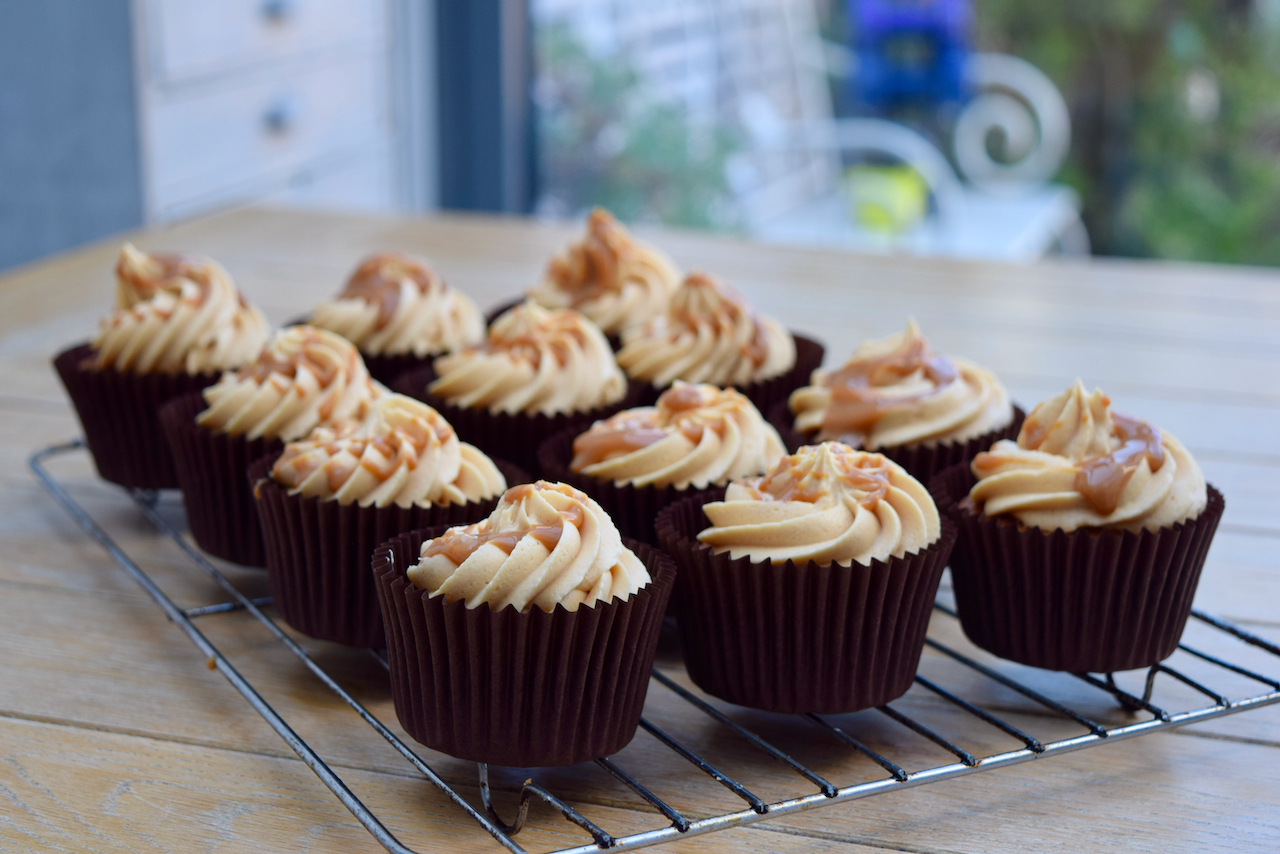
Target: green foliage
{"points": [[1176, 114], [601, 142]]}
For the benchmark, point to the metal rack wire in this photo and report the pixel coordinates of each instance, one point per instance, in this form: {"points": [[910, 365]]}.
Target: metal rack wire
{"points": [[673, 824]]}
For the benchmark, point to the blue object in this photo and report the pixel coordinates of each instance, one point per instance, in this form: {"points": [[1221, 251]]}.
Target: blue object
{"points": [[910, 51]]}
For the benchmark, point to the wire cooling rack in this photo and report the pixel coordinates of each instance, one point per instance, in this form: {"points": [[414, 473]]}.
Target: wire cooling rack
{"points": [[818, 792]]}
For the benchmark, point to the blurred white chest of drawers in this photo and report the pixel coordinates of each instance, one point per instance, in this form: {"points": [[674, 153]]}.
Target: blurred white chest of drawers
{"points": [[287, 101]]}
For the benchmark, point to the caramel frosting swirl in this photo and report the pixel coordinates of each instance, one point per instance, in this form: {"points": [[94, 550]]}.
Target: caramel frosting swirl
{"points": [[304, 378], [535, 361], [176, 314], [395, 303], [896, 392], [826, 503], [609, 276], [404, 454], [1078, 464], [545, 544], [709, 334], [696, 435]]}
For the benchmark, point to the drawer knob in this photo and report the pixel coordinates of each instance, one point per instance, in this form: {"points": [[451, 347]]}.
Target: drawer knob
{"points": [[281, 115], [277, 11]]}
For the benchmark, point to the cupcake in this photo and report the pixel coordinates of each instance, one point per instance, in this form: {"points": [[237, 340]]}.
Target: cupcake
{"points": [[330, 499], [303, 379], [1082, 542], [400, 313], [609, 276], [808, 589], [539, 372], [899, 398], [710, 334], [178, 322], [640, 460], [526, 639]]}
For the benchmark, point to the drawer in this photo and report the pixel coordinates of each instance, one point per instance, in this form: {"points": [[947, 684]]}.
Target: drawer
{"points": [[194, 38], [206, 141], [359, 182]]}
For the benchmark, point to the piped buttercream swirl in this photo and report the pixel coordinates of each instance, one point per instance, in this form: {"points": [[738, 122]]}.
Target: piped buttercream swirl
{"points": [[1078, 464], [694, 436], [395, 303], [826, 503], [545, 544], [304, 378], [176, 314], [534, 361], [609, 276], [404, 454], [709, 334], [895, 392]]}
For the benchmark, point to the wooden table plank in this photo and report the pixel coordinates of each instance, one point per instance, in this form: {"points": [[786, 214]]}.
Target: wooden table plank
{"points": [[115, 736], [145, 795]]}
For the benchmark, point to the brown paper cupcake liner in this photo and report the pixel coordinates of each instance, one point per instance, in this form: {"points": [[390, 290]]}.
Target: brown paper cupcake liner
{"points": [[513, 437], [212, 471], [500, 309], [779, 415], [318, 553], [118, 412], [511, 688], [386, 369], [1094, 600], [632, 508], [799, 638], [765, 393], [920, 461]]}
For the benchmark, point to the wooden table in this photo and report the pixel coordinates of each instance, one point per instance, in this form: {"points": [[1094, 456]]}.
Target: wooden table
{"points": [[115, 735]]}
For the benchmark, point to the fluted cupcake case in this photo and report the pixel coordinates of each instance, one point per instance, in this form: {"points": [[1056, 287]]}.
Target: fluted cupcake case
{"points": [[386, 369], [502, 308], [799, 638], [1094, 600], [318, 553], [513, 437], [212, 469], [921, 461], [512, 688], [118, 412]]}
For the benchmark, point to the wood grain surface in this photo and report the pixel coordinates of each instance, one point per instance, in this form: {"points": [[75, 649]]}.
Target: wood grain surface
{"points": [[116, 736]]}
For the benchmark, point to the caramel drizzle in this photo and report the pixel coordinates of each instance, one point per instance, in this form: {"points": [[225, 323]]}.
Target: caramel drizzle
{"points": [[1034, 430], [782, 484], [593, 266], [401, 444], [684, 398], [163, 268], [377, 282], [559, 335], [458, 544], [691, 410], [311, 352], [733, 307], [857, 405], [1041, 422], [685, 408], [391, 454], [615, 438], [1102, 480]]}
